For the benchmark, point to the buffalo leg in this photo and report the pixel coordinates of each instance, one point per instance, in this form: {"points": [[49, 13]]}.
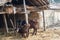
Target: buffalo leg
{"points": [[34, 32], [27, 34]]}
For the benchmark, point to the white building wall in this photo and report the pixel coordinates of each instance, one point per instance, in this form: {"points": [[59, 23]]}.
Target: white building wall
{"points": [[51, 17]]}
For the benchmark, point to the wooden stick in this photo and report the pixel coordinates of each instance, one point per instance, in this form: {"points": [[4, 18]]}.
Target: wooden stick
{"points": [[12, 23], [6, 23], [26, 14], [44, 20]]}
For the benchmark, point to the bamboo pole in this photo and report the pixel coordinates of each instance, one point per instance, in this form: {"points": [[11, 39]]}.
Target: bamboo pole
{"points": [[44, 20], [13, 26], [26, 14], [14, 16], [6, 23], [14, 21]]}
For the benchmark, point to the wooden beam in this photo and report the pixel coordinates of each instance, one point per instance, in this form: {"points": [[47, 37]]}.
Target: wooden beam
{"points": [[40, 2], [26, 14], [13, 26], [12, 22], [47, 2], [14, 8], [44, 2], [2, 12], [37, 2], [44, 20], [6, 23]]}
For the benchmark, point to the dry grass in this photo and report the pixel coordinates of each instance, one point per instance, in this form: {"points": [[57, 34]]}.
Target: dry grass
{"points": [[47, 35]]}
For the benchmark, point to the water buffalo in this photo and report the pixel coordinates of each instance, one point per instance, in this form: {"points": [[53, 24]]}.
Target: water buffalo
{"points": [[24, 29]]}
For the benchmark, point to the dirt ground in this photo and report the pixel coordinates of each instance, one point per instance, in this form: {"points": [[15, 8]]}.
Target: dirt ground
{"points": [[49, 34]]}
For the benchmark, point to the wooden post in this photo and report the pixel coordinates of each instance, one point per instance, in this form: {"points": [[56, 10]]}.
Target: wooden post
{"points": [[13, 26], [14, 8], [44, 20], [6, 23], [26, 14], [14, 16]]}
